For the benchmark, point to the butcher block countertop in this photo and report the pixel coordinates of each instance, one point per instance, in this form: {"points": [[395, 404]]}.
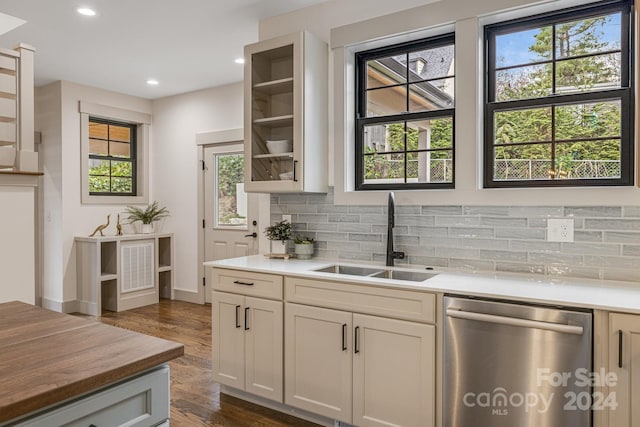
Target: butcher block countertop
{"points": [[47, 357]]}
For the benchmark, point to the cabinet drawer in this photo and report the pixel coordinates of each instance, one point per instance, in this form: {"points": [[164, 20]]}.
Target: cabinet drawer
{"points": [[140, 402], [396, 303], [248, 283]]}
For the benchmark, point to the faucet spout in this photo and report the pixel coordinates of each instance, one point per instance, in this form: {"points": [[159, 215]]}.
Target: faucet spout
{"points": [[391, 222]]}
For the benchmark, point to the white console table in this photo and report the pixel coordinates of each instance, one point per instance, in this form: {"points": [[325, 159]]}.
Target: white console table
{"points": [[118, 273]]}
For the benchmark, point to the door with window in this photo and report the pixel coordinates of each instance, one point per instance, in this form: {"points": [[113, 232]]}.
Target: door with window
{"points": [[231, 227]]}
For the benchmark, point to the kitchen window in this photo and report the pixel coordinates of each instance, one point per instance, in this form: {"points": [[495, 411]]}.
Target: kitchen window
{"points": [[405, 116], [112, 158], [559, 99]]}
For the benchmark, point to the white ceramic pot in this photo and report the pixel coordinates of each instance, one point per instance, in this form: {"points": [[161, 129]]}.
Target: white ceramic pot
{"points": [[304, 250], [147, 228], [278, 246]]}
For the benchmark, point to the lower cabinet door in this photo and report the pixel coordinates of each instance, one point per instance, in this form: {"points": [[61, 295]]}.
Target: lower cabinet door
{"points": [[227, 325], [624, 361], [140, 402], [318, 371], [393, 372], [263, 348]]}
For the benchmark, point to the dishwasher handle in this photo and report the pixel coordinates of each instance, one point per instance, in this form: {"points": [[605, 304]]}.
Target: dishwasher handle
{"points": [[514, 321]]}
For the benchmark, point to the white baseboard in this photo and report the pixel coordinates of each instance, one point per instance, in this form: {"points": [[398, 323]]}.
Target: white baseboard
{"points": [[60, 306], [187, 296]]}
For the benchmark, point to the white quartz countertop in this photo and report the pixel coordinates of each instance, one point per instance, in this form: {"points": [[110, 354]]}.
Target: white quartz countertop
{"points": [[571, 292]]}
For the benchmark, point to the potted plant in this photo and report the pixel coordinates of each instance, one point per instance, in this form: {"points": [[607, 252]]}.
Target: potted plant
{"points": [[278, 234], [147, 216], [303, 247]]}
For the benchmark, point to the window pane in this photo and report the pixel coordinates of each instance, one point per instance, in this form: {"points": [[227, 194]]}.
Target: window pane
{"points": [[432, 95], [432, 63], [98, 130], [588, 159], [586, 36], [231, 198], [386, 71], [119, 133], [528, 125], [121, 169], [98, 147], [593, 120], [590, 73], [523, 47], [384, 168], [430, 134], [386, 101], [99, 184], [120, 149], [121, 185], [384, 138], [522, 162], [99, 167], [532, 81], [430, 166]]}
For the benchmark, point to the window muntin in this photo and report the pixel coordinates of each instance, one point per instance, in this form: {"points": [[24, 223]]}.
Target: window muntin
{"points": [[559, 99], [405, 115], [112, 159]]}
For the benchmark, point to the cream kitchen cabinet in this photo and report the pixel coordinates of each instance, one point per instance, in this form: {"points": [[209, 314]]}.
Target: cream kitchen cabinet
{"points": [[361, 369], [285, 95], [247, 334], [624, 361]]}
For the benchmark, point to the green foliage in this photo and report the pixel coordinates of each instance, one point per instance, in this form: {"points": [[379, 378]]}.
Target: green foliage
{"points": [[279, 231], [230, 172], [121, 180], [149, 215]]}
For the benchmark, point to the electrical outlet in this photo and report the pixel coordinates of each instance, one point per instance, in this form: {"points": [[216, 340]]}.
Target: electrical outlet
{"points": [[286, 218], [560, 229]]}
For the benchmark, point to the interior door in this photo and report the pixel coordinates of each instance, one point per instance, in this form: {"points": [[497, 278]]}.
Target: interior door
{"points": [[231, 222]]}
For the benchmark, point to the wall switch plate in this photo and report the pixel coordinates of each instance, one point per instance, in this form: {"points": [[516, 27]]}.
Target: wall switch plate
{"points": [[286, 218], [560, 229]]}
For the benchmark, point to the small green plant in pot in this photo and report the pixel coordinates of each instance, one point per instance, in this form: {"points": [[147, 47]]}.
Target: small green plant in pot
{"points": [[278, 234], [303, 247], [147, 216]]}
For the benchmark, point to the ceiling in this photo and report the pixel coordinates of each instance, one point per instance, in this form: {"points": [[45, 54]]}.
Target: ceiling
{"points": [[186, 45]]}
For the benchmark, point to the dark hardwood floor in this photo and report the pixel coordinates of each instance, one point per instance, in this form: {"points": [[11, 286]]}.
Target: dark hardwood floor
{"points": [[195, 399]]}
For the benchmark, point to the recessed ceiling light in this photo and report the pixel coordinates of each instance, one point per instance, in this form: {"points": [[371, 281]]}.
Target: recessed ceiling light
{"points": [[153, 82], [86, 11], [239, 60]]}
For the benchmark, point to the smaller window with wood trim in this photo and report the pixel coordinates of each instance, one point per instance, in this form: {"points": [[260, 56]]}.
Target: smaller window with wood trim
{"points": [[112, 158], [405, 116]]}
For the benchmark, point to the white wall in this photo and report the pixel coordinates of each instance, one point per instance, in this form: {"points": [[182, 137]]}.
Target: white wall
{"points": [[64, 216], [175, 170]]}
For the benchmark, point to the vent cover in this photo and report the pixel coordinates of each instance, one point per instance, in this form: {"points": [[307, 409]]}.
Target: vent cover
{"points": [[136, 270]]}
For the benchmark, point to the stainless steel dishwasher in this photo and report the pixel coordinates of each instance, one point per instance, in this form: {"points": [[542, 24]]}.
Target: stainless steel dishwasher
{"points": [[513, 365]]}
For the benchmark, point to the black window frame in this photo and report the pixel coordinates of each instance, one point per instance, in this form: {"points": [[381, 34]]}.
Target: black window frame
{"points": [[361, 121], [133, 150], [625, 94]]}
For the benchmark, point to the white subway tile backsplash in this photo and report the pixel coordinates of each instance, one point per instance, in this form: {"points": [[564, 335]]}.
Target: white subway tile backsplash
{"points": [[496, 238]]}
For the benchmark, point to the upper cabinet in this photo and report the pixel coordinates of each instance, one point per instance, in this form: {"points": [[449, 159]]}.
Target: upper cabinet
{"points": [[285, 110]]}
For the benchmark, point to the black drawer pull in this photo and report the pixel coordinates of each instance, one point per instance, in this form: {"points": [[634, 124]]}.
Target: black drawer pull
{"points": [[238, 282]]}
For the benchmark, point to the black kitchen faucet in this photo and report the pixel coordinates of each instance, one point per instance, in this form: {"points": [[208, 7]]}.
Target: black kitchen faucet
{"points": [[391, 222]]}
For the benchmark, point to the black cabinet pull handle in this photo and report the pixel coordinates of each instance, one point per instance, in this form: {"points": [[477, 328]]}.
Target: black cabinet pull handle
{"points": [[295, 163], [344, 337], [238, 282], [246, 318], [356, 344], [620, 349], [237, 316]]}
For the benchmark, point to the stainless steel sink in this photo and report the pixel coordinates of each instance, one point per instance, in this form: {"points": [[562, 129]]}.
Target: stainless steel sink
{"points": [[350, 270], [411, 276]]}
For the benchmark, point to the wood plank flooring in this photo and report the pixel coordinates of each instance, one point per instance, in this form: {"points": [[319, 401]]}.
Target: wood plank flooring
{"points": [[195, 399]]}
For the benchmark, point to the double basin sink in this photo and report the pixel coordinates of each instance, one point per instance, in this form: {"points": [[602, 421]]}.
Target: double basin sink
{"points": [[381, 273]]}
